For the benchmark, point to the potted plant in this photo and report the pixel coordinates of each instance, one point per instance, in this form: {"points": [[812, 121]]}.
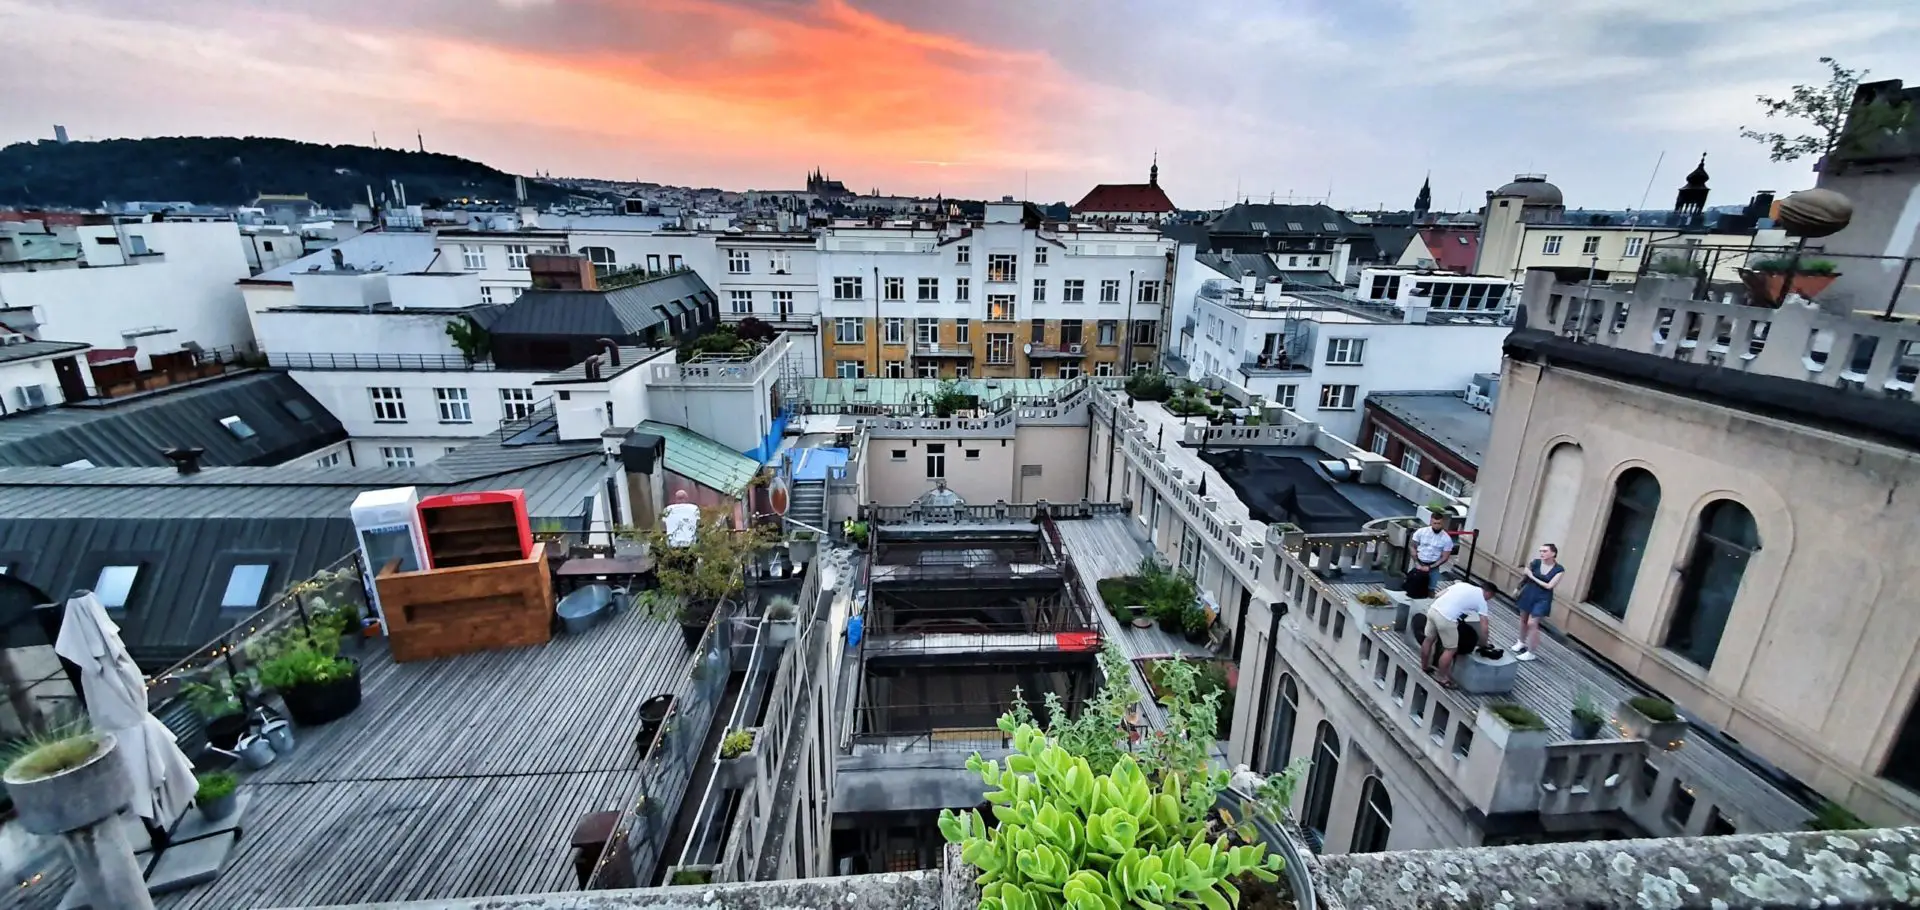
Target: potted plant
{"points": [[317, 685], [219, 708], [696, 578], [1171, 616], [1379, 611], [1770, 280], [739, 758], [1586, 718], [1194, 623], [1292, 536], [801, 546], [1440, 507], [1519, 717], [65, 780], [691, 874], [218, 795], [1654, 720], [780, 619]]}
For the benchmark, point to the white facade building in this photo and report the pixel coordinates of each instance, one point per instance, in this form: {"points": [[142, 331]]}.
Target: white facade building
{"points": [[152, 286], [1320, 353]]}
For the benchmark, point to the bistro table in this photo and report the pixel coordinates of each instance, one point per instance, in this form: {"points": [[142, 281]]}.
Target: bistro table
{"points": [[630, 572]]}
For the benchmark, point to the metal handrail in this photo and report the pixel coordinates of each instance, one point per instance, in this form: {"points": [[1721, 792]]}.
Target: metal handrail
{"points": [[396, 362]]}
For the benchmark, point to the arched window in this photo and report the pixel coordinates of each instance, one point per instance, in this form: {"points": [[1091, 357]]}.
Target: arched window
{"points": [[1559, 495], [1280, 747], [1636, 497], [1326, 770], [1722, 547], [1375, 825]]}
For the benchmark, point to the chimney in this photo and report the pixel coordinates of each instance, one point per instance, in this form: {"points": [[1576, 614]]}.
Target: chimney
{"points": [[1246, 285], [185, 460], [339, 259], [592, 367], [612, 350], [1273, 292]]}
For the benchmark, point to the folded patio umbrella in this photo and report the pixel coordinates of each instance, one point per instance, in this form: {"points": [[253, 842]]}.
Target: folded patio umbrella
{"points": [[116, 696]]}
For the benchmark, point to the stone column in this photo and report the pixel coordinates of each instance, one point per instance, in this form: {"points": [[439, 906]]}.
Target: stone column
{"points": [[104, 865]]}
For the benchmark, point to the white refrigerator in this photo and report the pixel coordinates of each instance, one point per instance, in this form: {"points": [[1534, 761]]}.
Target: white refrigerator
{"points": [[386, 524]]}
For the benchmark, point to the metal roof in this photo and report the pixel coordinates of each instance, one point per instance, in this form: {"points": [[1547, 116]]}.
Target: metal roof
{"points": [[1444, 417], [618, 313], [630, 357], [398, 253], [60, 526], [33, 350], [703, 460], [284, 422]]}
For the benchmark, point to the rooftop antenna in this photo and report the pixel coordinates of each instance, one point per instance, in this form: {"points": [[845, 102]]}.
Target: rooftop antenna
{"points": [[1650, 178], [422, 140], [376, 138]]}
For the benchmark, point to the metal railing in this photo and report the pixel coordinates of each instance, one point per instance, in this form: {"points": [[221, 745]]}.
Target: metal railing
{"points": [[961, 726], [390, 362], [1050, 614], [999, 511], [1860, 283], [541, 410]]}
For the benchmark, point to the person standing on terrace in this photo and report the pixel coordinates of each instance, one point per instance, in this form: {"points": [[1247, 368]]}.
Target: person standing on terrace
{"points": [[1432, 547], [1536, 598]]}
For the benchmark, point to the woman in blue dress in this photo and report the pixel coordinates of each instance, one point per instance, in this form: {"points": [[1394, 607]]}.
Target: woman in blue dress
{"points": [[1536, 598]]}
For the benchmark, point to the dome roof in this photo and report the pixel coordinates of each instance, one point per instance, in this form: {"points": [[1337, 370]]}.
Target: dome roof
{"points": [[1535, 187]]}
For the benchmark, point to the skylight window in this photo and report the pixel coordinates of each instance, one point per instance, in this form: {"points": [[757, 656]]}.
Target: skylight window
{"points": [[78, 463], [298, 409], [1295, 226], [116, 585], [1259, 225], [1330, 226], [244, 587], [238, 427]]}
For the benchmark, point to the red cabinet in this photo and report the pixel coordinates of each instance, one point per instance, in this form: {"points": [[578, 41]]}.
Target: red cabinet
{"points": [[468, 529]]}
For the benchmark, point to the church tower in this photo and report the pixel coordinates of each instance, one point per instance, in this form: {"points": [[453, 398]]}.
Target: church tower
{"points": [[1423, 202], [1690, 205]]}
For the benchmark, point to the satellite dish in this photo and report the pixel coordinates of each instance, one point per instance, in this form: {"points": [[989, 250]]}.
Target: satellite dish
{"points": [[1027, 348]]}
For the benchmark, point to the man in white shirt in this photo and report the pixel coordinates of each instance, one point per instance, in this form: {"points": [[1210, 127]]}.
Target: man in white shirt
{"points": [[1432, 547], [1448, 622]]}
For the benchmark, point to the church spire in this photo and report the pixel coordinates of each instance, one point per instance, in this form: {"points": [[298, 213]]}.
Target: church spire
{"points": [[1153, 173], [1424, 201]]}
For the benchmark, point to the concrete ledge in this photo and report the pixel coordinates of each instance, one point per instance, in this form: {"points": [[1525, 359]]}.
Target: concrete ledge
{"points": [[887, 891]]}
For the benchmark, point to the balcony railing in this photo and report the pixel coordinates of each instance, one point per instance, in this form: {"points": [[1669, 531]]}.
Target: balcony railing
{"points": [[1074, 351], [390, 362], [997, 512], [938, 349], [1004, 613]]}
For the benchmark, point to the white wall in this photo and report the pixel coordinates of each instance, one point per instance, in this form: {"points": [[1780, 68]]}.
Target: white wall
{"points": [[981, 481], [345, 394], [190, 289], [296, 332], [31, 372], [434, 290]]}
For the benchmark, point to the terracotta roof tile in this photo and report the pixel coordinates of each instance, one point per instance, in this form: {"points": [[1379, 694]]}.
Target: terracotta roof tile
{"points": [[1126, 197]]}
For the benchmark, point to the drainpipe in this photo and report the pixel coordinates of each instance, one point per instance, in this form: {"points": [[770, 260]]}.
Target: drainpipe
{"points": [[1126, 344], [1274, 612], [874, 358]]}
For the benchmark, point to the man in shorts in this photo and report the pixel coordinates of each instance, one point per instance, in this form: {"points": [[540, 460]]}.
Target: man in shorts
{"points": [[1450, 621]]}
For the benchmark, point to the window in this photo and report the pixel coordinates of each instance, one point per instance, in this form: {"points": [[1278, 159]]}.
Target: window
{"points": [[999, 307], [1073, 290], [473, 257], [1633, 247], [1410, 462], [1039, 255], [1039, 290], [1679, 806], [1280, 744], [1722, 548], [1149, 292], [1070, 370], [515, 403], [739, 262], [238, 427], [1636, 497], [973, 454], [329, 460], [780, 262], [929, 290], [115, 585], [517, 256], [1451, 485], [962, 254], [1375, 824], [1284, 395], [898, 455], [999, 347], [244, 585], [1385, 287], [895, 369], [1145, 331], [963, 331], [1036, 371], [653, 262], [452, 449], [926, 331], [1320, 782], [962, 289], [601, 257], [849, 369], [1418, 709], [1551, 245], [1903, 757], [1295, 226], [1108, 332], [1292, 261], [486, 293], [1110, 290], [388, 406], [847, 287], [1103, 368], [1337, 397], [1379, 446], [893, 330], [1346, 351], [1070, 332], [397, 456], [895, 288], [454, 407], [1038, 334], [1002, 266], [849, 330], [1590, 246], [742, 301], [936, 460], [675, 263], [962, 371], [783, 305]]}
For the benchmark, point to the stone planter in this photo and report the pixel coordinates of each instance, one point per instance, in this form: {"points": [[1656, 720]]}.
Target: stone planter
{"points": [[1584, 728], [1378, 616], [737, 773], [74, 798], [780, 632], [802, 551], [1397, 534], [703, 871], [220, 807], [1666, 735], [1769, 289]]}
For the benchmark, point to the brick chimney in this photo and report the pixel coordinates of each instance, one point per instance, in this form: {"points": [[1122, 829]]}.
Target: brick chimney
{"points": [[562, 272]]}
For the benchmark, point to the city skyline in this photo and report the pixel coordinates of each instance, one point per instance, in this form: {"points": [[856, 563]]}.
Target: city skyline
{"points": [[1238, 100]]}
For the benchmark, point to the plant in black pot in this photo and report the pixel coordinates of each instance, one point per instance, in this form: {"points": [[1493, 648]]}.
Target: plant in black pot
{"points": [[316, 683], [1194, 623], [1587, 718], [696, 577], [219, 708]]}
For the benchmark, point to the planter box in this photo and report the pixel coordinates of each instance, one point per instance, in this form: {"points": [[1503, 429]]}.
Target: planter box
{"points": [[739, 772], [802, 551], [1666, 735], [76, 797], [780, 632], [1378, 616], [323, 703], [708, 869], [1768, 288]]}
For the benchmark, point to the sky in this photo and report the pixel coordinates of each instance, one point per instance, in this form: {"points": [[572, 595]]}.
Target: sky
{"points": [[1355, 101]]}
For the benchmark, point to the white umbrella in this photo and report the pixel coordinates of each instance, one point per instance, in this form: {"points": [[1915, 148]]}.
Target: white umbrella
{"points": [[116, 696]]}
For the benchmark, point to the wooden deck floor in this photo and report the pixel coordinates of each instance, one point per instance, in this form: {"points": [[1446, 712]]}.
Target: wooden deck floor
{"points": [[456, 778]]}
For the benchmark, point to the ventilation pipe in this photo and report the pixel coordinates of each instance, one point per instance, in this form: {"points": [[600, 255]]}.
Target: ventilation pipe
{"points": [[592, 367], [186, 460], [612, 350]]}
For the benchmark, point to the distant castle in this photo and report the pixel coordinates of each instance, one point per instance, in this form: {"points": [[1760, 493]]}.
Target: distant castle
{"points": [[825, 189]]}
